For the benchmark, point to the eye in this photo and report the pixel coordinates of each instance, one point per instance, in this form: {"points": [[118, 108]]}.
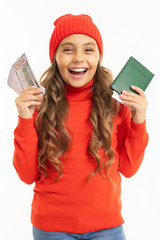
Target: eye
{"points": [[88, 50], [68, 50]]}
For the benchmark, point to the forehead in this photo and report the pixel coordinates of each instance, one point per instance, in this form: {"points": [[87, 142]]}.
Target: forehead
{"points": [[78, 39]]}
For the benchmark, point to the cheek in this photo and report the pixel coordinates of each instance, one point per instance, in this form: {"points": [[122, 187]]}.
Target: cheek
{"points": [[61, 66], [62, 63], [94, 65], [62, 71], [94, 61]]}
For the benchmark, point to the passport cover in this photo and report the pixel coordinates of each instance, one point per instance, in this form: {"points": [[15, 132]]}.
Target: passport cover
{"points": [[133, 73]]}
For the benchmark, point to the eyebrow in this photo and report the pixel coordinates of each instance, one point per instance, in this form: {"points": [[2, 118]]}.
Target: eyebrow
{"points": [[72, 44]]}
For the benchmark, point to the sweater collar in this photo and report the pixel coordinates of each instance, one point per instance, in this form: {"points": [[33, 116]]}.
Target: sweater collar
{"points": [[77, 94]]}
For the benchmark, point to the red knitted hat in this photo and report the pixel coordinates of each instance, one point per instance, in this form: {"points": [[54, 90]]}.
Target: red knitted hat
{"points": [[73, 24]]}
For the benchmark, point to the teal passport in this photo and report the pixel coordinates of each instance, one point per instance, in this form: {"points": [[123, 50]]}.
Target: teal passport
{"points": [[133, 73]]}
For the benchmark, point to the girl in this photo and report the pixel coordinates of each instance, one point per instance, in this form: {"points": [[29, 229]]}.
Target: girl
{"points": [[76, 140]]}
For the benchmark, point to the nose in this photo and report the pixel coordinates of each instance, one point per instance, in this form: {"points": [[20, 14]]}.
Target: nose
{"points": [[78, 57]]}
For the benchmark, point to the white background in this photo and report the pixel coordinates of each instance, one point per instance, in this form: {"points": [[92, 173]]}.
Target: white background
{"points": [[128, 28]]}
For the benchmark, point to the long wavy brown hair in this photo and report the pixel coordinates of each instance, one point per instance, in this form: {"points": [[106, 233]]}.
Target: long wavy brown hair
{"points": [[55, 136]]}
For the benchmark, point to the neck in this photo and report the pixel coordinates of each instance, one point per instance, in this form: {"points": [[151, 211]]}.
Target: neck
{"points": [[82, 93]]}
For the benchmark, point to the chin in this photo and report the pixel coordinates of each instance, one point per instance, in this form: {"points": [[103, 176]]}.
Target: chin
{"points": [[78, 85]]}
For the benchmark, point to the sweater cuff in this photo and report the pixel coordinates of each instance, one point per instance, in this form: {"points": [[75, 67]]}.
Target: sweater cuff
{"points": [[25, 126], [137, 129]]}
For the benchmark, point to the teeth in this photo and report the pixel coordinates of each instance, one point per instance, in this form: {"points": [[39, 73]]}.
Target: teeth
{"points": [[78, 70]]}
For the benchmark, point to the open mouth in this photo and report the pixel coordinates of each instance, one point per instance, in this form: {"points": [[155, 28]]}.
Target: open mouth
{"points": [[78, 71]]}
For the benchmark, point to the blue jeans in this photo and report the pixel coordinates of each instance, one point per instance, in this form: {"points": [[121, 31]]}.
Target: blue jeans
{"points": [[106, 234]]}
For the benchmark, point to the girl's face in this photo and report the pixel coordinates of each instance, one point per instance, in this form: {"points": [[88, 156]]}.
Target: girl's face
{"points": [[77, 57]]}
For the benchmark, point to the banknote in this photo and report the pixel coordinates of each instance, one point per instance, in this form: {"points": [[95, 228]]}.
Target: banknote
{"points": [[21, 76]]}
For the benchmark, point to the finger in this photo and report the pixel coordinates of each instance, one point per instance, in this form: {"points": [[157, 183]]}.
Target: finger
{"points": [[131, 98], [27, 98], [33, 103], [132, 105], [26, 105], [138, 105], [135, 106], [29, 88], [138, 90], [32, 91], [140, 93]]}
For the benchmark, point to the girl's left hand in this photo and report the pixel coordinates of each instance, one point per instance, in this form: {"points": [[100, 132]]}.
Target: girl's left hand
{"points": [[137, 102]]}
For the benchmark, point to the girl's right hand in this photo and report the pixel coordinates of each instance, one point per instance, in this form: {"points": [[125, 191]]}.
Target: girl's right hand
{"points": [[27, 100]]}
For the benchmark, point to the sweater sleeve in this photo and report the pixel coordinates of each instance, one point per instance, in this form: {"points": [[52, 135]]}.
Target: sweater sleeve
{"points": [[132, 141], [26, 150]]}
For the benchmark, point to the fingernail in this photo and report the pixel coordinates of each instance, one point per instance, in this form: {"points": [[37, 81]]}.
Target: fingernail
{"points": [[122, 96], [124, 91]]}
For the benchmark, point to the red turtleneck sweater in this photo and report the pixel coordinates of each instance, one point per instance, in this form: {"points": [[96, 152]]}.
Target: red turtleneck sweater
{"points": [[73, 204]]}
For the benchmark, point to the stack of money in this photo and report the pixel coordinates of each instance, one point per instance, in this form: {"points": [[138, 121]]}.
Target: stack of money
{"points": [[21, 76]]}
